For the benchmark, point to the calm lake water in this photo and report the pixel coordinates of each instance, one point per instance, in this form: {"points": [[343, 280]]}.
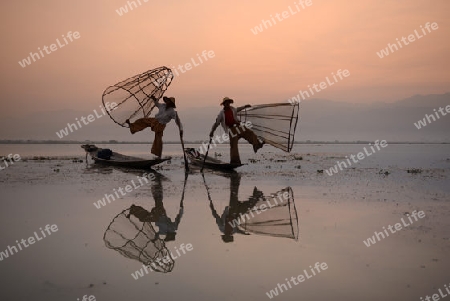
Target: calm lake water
{"points": [[97, 249]]}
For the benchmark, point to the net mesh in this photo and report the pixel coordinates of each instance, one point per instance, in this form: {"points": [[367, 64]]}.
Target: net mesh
{"points": [[275, 123], [138, 240], [135, 97], [278, 220]]}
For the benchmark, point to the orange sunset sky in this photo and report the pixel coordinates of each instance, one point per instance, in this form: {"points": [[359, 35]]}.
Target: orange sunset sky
{"points": [[271, 66]]}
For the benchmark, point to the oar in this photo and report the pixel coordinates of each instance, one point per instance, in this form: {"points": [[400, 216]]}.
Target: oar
{"points": [[206, 155], [184, 188], [207, 188], [186, 166]]}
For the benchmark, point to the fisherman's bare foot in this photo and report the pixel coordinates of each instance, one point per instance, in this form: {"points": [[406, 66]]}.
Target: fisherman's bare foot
{"points": [[155, 157], [257, 146]]}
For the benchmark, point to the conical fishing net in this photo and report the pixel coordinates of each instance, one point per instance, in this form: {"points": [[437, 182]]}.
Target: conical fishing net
{"points": [[136, 96], [276, 123], [277, 216], [138, 240]]}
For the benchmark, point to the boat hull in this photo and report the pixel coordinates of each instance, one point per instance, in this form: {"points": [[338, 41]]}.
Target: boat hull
{"points": [[118, 159]]}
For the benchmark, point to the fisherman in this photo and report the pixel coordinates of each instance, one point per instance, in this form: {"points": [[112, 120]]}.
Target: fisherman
{"points": [[158, 123], [229, 222], [232, 126], [158, 214]]}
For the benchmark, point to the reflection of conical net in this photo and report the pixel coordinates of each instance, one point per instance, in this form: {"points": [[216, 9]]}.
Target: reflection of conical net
{"points": [[135, 97], [276, 123], [279, 219], [138, 240]]}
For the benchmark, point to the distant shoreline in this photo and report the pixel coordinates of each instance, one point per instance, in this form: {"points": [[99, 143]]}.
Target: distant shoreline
{"points": [[193, 142]]}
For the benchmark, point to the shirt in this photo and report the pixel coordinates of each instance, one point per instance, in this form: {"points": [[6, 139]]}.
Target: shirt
{"points": [[229, 118], [165, 115], [221, 118], [165, 224]]}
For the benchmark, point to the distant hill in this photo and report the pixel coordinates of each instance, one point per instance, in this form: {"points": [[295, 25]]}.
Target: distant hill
{"points": [[331, 121], [320, 120]]}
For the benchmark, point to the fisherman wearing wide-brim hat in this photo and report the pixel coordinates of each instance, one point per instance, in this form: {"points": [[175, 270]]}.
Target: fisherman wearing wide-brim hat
{"points": [[158, 215], [229, 221], [233, 127], [158, 123]]}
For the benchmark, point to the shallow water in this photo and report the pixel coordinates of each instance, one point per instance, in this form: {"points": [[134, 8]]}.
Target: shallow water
{"points": [[403, 155], [335, 214]]}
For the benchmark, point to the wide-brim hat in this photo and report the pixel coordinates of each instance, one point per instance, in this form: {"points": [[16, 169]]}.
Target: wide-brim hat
{"points": [[170, 99], [226, 99], [227, 238]]}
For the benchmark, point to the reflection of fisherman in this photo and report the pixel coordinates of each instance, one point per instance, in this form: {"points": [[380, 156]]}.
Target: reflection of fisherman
{"points": [[158, 123], [227, 221], [158, 214]]}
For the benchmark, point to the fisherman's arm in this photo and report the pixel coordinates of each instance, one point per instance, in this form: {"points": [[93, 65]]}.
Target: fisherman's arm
{"points": [[179, 215], [215, 125], [214, 212], [155, 100], [238, 109], [179, 124]]}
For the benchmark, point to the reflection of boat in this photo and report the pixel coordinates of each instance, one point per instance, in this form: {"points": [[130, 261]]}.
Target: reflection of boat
{"points": [[116, 159], [273, 215], [197, 159]]}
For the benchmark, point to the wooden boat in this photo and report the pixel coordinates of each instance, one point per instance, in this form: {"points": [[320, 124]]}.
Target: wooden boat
{"points": [[117, 159], [196, 159]]}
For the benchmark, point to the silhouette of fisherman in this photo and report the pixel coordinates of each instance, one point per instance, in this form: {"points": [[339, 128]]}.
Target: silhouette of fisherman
{"points": [[227, 221], [158, 214], [158, 123]]}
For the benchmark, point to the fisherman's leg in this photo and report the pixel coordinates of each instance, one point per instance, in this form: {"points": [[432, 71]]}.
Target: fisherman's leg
{"points": [[141, 124], [139, 212], [250, 136], [157, 191], [235, 183], [234, 150], [157, 144], [157, 212]]}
